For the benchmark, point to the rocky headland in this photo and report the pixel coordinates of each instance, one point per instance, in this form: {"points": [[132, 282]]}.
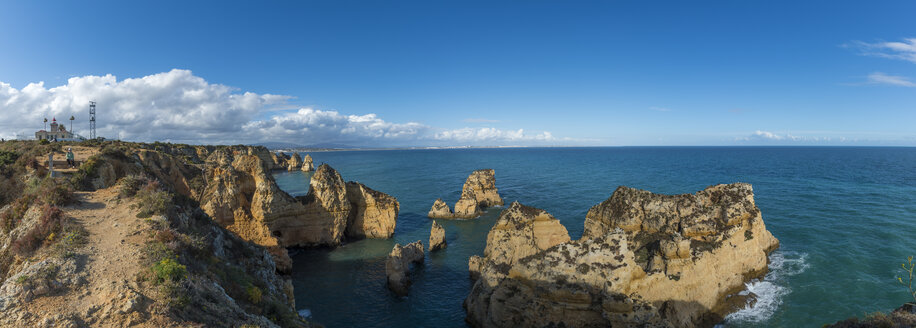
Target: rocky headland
{"points": [[479, 192], [124, 241], [644, 259]]}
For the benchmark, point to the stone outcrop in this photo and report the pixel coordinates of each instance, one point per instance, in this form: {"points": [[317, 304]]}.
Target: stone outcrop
{"points": [[295, 163], [644, 259], [436, 237], [479, 192], [519, 232], [440, 210], [481, 186], [397, 266], [242, 196], [307, 164], [373, 214]]}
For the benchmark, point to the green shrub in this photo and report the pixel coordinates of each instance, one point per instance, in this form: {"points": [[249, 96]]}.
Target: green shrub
{"points": [[71, 239], [52, 191], [152, 200], [11, 218], [7, 157], [169, 270], [129, 185], [254, 294], [43, 142], [88, 170]]}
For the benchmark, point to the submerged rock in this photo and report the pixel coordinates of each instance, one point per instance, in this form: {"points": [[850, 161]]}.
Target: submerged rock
{"points": [[307, 164], [479, 191], [398, 263], [436, 237], [644, 259]]}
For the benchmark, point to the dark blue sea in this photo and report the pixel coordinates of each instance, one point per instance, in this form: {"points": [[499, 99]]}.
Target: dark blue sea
{"points": [[845, 218]]}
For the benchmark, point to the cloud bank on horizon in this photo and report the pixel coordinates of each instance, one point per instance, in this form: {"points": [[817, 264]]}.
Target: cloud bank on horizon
{"points": [[177, 106], [181, 107]]}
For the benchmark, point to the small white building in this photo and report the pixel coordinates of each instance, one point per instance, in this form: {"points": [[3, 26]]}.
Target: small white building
{"points": [[58, 132]]}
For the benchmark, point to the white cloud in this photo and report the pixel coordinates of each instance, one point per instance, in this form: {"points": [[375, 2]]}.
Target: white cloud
{"points": [[479, 120], [766, 135], [881, 78], [903, 50], [771, 137], [178, 106], [307, 126], [491, 135]]}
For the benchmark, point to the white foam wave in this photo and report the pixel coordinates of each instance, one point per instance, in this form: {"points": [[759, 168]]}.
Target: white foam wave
{"points": [[772, 289], [305, 313]]}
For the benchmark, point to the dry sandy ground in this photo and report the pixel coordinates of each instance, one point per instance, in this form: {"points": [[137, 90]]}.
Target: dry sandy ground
{"points": [[111, 258]]}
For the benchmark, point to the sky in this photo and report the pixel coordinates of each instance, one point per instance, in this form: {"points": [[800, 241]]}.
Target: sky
{"points": [[465, 73]]}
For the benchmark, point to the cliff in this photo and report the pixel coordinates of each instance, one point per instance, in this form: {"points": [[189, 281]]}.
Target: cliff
{"points": [[479, 192], [241, 195], [373, 214], [209, 218], [136, 252], [644, 259]]}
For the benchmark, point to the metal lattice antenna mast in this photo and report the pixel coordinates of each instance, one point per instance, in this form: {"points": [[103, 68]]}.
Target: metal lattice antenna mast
{"points": [[91, 120]]}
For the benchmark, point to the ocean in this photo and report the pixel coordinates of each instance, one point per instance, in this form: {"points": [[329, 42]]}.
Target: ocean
{"points": [[844, 217]]}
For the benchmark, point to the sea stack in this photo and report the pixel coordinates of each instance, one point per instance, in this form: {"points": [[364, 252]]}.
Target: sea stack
{"points": [[307, 164], [398, 263], [294, 163], [479, 192], [436, 237], [644, 259], [440, 210]]}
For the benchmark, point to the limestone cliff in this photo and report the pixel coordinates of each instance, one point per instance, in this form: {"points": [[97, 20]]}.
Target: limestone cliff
{"points": [[479, 192], [307, 164], [244, 197], [397, 265], [133, 250], [373, 214], [295, 163], [436, 237], [644, 259], [234, 186]]}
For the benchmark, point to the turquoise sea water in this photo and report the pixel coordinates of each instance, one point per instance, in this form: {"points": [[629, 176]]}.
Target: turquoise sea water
{"points": [[845, 218]]}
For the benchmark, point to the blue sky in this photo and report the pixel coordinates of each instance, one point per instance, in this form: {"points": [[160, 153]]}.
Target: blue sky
{"points": [[393, 73]]}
